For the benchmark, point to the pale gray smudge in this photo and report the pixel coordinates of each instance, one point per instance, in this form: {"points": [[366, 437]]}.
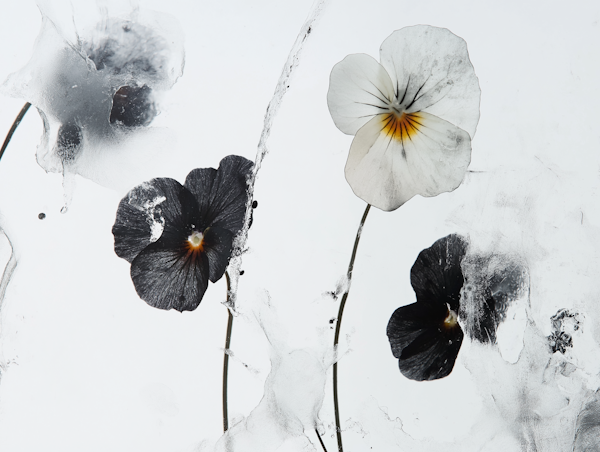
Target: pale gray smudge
{"points": [[289, 67], [6, 275]]}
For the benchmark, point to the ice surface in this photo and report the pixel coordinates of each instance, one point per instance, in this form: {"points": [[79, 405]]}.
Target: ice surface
{"points": [[95, 85], [94, 369]]}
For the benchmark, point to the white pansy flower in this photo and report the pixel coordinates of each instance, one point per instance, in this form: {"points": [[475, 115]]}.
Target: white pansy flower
{"points": [[413, 115]]}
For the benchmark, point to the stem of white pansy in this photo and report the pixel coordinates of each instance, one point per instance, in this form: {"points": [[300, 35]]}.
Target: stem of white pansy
{"points": [[226, 357], [338, 428], [16, 123]]}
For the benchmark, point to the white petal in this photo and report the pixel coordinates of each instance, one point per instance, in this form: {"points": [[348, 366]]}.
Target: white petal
{"points": [[386, 168], [434, 64], [359, 88]]}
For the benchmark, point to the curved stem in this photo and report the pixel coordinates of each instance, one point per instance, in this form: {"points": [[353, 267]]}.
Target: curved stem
{"points": [[338, 429], [16, 123], [226, 358]]}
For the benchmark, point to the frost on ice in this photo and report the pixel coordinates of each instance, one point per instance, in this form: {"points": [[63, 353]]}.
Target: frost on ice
{"points": [[96, 83]]}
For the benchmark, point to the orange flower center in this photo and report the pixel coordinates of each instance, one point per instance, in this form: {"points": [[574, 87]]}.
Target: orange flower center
{"points": [[196, 241], [451, 319], [401, 126]]}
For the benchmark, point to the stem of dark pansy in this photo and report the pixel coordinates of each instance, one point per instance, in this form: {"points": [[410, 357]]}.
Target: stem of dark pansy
{"points": [[16, 123], [338, 429], [226, 358]]}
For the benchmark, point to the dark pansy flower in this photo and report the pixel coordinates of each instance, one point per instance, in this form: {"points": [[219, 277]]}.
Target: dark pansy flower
{"points": [[93, 84], [451, 285], [179, 237], [425, 336]]}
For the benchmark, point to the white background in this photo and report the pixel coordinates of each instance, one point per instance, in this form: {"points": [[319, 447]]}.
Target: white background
{"points": [[91, 367]]}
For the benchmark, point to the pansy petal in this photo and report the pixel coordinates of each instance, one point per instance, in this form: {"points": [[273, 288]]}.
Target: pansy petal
{"points": [[392, 159], [425, 346], [359, 89], [433, 73], [218, 244], [435, 362], [409, 322], [160, 206], [168, 277], [436, 275], [222, 194]]}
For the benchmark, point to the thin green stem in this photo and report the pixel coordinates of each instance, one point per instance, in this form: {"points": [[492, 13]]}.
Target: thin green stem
{"points": [[226, 358], [16, 123], [338, 429]]}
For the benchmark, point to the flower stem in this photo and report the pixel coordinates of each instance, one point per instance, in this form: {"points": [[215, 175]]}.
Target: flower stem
{"points": [[320, 440], [16, 123], [226, 358], [338, 429]]}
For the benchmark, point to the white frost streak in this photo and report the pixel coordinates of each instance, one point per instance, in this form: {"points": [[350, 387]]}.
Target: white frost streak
{"points": [[6, 276], [282, 86], [148, 207], [157, 223]]}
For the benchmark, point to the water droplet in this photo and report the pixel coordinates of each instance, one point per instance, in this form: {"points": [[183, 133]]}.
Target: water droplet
{"points": [[64, 209]]}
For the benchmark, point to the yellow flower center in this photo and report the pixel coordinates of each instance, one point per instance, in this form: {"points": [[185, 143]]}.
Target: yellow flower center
{"points": [[451, 319], [196, 241], [401, 126]]}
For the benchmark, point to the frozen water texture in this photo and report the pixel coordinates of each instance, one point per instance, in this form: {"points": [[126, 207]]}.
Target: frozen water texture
{"points": [[96, 84], [494, 300], [8, 262], [287, 415], [289, 67]]}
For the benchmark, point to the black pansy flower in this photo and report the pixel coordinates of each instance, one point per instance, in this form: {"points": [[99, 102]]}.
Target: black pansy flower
{"points": [[178, 237], [478, 289], [92, 84], [425, 336]]}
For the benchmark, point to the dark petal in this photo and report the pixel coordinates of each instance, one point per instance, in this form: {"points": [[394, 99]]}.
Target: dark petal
{"points": [[218, 243], [161, 207], [133, 106], [436, 362], [68, 141], [200, 183], [436, 275], [170, 278], [425, 346], [409, 322], [222, 194]]}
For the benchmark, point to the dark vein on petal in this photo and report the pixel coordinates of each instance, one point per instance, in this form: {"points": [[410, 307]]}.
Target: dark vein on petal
{"points": [[380, 92], [415, 98], [371, 105], [406, 130], [406, 90], [384, 100], [412, 119]]}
